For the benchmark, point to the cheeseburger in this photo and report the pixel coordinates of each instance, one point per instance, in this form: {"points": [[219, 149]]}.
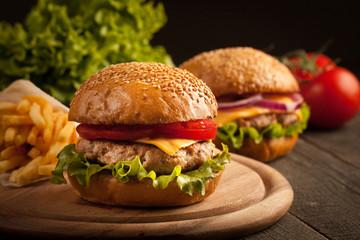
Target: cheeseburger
{"points": [[144, 138], [260, 111]]}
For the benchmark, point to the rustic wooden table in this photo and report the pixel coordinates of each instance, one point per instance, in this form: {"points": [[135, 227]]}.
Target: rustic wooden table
{"points": [[324, 171]]}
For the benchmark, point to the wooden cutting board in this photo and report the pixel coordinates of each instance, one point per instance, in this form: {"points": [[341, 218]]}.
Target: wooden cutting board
{"points": [[250, 196]]}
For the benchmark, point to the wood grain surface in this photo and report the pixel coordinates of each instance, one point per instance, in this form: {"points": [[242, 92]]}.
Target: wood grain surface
{"points": [[324, 171], [251, 196]]}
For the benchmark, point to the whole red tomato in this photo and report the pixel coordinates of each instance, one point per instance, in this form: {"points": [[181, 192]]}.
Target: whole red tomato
{"points": [[306, 66], [333, 97]]}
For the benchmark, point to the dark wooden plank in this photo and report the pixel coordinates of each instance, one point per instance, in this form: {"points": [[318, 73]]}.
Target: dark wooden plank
{"points": [[288, 227], [324, 172], [326, 189], [342, 142]]}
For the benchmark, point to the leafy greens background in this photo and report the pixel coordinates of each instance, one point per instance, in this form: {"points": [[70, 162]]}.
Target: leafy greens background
{"points": [[63, 42]]}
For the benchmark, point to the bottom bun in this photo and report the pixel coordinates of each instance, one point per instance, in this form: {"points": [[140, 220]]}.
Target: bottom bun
{"points": [[267, 150], [106, 189]]}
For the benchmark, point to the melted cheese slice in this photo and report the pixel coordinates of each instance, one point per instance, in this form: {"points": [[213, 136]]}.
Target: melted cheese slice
{"points": [[251, 111], [169, 146]]}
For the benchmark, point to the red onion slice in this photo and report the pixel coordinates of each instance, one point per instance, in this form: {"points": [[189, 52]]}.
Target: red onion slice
{"points": [[296, 97], [290, 107], [258, 100], [240, 103]]}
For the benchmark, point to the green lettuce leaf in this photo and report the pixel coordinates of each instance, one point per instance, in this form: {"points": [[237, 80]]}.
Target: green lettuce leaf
{"points": [[63, 42], [194, 181], [190, 182], [234, 135]]}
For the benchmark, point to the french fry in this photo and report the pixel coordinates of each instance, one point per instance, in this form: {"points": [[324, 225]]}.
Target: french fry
{"points": [[34, 152], [10, 134], [47, 169], [14, 174], [2, 134], [36, 117], [41, 144], [24, 106], [33, 136], [60, 122], [15, 161], [30, 171], [36, 99], [7, 107], [53, 151], [73, 138], [66, 132], [49, 120], [8, 152], [16, 120], [22, 135]]}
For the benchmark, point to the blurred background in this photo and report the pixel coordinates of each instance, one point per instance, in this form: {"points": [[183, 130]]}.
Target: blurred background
{"points": [[273, 26]]}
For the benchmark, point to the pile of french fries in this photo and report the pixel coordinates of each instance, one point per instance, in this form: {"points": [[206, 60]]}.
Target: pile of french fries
{"points": [[32, 133]]}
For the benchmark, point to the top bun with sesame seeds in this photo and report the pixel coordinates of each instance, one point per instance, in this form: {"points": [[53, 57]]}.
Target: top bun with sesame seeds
{"points": [[142, 93], [241, 70], [260, 112]]}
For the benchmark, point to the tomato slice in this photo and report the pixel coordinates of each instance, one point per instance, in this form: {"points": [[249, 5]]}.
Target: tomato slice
{"points": [[113, 132], [197, 130]]}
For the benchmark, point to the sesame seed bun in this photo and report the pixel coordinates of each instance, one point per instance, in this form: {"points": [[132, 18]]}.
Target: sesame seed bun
{"points": [[235, 71], [241, 70], [108, 190], [142, 93]]}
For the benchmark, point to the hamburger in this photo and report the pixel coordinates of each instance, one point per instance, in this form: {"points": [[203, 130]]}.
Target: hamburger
{"points": [[261, 112], [144, 138]]}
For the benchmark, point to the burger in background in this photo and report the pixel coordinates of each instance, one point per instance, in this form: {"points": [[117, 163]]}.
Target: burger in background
{"points": [[260, 110], [145, 138]]}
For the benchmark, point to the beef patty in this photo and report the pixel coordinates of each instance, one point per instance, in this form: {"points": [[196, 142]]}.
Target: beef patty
{"points": [[262, 121], [151, 157]]}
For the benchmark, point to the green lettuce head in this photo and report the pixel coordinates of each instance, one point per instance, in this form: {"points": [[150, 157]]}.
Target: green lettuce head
{"points": [[63, 42]]}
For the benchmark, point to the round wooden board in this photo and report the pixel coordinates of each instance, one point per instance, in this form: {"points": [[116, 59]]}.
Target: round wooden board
{"points": [[250, 196]]}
